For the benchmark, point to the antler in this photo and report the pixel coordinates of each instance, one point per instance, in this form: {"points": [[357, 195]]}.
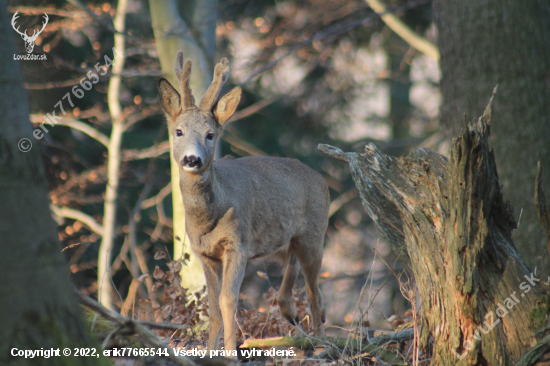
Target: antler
{"points": [[183, 73], [24, 34], [13, 19], [35, 35], [221, 73]]}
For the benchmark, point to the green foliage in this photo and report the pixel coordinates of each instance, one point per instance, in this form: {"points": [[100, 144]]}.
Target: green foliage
{"points": [[539, 315]]}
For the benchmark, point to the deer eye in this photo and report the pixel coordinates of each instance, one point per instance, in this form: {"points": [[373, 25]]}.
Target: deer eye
{"points": [[210, 136], [179, 133]]}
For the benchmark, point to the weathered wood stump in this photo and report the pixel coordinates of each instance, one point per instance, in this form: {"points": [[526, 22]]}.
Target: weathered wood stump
{"points": [[448, 223]]}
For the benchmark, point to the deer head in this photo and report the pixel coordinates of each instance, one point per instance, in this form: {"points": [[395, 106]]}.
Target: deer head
{"points": [[195, 130], [29, 40]]}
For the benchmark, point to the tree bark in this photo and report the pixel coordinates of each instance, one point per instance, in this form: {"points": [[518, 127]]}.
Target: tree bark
{"points": [[37, 302], [105, 287], [454, 230], [172, 33], [400, 87], [489, 42]]}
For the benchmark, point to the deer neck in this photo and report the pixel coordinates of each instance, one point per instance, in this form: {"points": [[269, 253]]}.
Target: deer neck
{"points": [[200, 193]]}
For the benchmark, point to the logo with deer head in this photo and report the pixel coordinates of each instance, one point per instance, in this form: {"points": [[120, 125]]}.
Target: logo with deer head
{"points": [[29, 40]]}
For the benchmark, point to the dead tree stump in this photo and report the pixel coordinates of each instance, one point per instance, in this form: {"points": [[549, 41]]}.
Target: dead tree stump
{"points": [[449, 224]]}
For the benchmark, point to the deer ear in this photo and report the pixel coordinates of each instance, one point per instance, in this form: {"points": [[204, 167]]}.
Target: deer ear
{"points": [[170, 99], [226, 106]]}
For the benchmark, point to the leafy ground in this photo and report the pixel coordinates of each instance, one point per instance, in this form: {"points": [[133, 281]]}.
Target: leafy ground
{"points": [[179, 317]]}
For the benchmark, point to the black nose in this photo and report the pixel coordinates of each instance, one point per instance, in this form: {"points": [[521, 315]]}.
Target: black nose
{"points": [[192, 161]]}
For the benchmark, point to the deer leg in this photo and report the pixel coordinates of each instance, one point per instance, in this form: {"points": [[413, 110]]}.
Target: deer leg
{"points": [[310, 255], [213, 275], [233, 273], [284, 298]]}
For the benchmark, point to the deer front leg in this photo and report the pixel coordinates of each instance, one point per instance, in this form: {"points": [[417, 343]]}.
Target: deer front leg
{"points": [[213, 274], [234, 264]]}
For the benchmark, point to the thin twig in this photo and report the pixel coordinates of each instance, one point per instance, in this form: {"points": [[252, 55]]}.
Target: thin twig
{"points": [[150, 152], [143, 266], [130, 297], [254, 108], [330, 32], [104, 23], [83, 267], [403, 30], [341, 200], [150, 202], [243, 145], [70, 213], [37, 10], [137, 117], [345, 276], [77, 125], [78, 254], [167, 326], [52, 84], [146, 336], [132, 225]]}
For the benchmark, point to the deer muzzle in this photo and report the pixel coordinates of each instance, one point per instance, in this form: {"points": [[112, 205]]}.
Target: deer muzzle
{"points": [[191, 161]]}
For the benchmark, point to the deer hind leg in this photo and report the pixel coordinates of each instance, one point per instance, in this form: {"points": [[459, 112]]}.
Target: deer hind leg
{"points": [[310, 254], [284, 297]]}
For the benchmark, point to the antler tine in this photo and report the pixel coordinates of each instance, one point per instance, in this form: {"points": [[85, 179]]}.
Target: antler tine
{"points": [[35, 34], [13, 19], [183, 73], [44, 24], [221, 73]]}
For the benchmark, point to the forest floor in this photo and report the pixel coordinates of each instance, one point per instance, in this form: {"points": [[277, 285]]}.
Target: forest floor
{"points": [[176, 318]]}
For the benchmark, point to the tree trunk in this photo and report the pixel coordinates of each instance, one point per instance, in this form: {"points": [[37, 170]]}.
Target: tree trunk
{"points": [[37, 302], [489, 42], [105, 288], [400, 87], [172, 33], [449, 221]]}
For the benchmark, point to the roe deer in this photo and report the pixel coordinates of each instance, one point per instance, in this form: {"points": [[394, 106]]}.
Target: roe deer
{"points": [[241, 209]]}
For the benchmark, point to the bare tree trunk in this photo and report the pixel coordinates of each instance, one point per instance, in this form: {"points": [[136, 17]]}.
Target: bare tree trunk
{"points": [[454, 230], [174, 33], [105, 287], [400, 86], [37, 302], [488, 42]]}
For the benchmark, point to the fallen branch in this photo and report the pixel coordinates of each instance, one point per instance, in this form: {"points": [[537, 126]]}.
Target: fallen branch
{"points": [[145, 335], [532, 356], [335, 344], [373, 347], [303, 343], [344, 276]]}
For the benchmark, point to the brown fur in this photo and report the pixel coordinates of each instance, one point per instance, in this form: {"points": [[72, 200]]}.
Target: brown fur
{"points": [[241, 209]]}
